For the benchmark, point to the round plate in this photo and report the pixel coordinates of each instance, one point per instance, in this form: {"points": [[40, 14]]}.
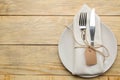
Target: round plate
{"points": [[66, 48]]}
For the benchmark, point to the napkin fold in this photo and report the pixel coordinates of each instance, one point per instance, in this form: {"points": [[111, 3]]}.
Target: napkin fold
{"points": [[80, 67]]}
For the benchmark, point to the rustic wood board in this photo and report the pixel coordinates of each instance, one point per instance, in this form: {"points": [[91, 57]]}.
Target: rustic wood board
{"points": [[26, 53]]}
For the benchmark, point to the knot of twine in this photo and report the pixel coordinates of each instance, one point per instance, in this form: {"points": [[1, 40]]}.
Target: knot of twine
{"points": [[84, 38]]}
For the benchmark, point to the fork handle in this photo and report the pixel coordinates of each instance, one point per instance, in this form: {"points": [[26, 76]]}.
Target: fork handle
{"points": [[83, 34]]}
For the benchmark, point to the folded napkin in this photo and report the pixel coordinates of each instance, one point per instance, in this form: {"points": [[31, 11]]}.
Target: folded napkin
{"points": [[80, 67]]}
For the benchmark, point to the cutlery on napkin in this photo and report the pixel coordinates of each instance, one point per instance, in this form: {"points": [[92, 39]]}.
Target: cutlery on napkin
{"points": [[80, 66]]}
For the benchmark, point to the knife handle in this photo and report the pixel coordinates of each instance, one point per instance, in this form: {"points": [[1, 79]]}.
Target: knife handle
{"points": [[92, 34], [92, 43]]}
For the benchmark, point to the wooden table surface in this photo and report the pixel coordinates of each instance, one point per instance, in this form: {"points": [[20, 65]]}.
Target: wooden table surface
{"points": [[30, 31]]}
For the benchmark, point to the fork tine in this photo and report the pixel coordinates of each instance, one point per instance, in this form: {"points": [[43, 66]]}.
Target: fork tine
{"points": [[80, 20], [85, 19]]}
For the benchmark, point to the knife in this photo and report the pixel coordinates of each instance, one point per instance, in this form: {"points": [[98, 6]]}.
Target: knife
{"points": [[92, 26]]}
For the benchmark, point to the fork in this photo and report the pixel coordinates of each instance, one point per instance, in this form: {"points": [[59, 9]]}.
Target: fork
{"points": [[82, 23]]}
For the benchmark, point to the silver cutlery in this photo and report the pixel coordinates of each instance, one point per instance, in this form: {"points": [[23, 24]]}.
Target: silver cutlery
{"points": [[82, 23], [92, 26]]}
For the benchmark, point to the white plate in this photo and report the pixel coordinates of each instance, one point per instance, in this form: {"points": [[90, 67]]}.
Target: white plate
{"points": [[66, 48]]}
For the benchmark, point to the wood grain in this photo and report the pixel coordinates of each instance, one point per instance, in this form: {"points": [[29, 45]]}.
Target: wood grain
{"points": [[26, 53], [50, 77], [57, 7], [113, 77], [42, 60], [30, 60], [43, 29], [36, 77]]}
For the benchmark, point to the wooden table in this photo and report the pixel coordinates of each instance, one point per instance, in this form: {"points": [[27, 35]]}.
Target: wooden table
{"points": [[29, 34]]}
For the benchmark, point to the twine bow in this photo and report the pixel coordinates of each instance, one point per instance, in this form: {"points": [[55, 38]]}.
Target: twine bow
{"points": [[84, 38]]}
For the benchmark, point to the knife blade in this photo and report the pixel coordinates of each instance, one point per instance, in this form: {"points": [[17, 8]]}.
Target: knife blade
{"points": [[92, 26]]}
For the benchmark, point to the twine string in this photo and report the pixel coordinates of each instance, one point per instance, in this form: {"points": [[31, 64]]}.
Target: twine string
{"points": [[84, 38]]}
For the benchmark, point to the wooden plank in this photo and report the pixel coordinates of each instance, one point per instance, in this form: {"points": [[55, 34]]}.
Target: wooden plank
{"points": [[49, 77], [34, 60], [57, 7], [114, 78], [2, 77], [53, 77], [30, 60], [42, 29]]}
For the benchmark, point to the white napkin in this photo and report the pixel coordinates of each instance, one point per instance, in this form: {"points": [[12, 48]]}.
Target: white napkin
{"points": [[80, 67]]}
